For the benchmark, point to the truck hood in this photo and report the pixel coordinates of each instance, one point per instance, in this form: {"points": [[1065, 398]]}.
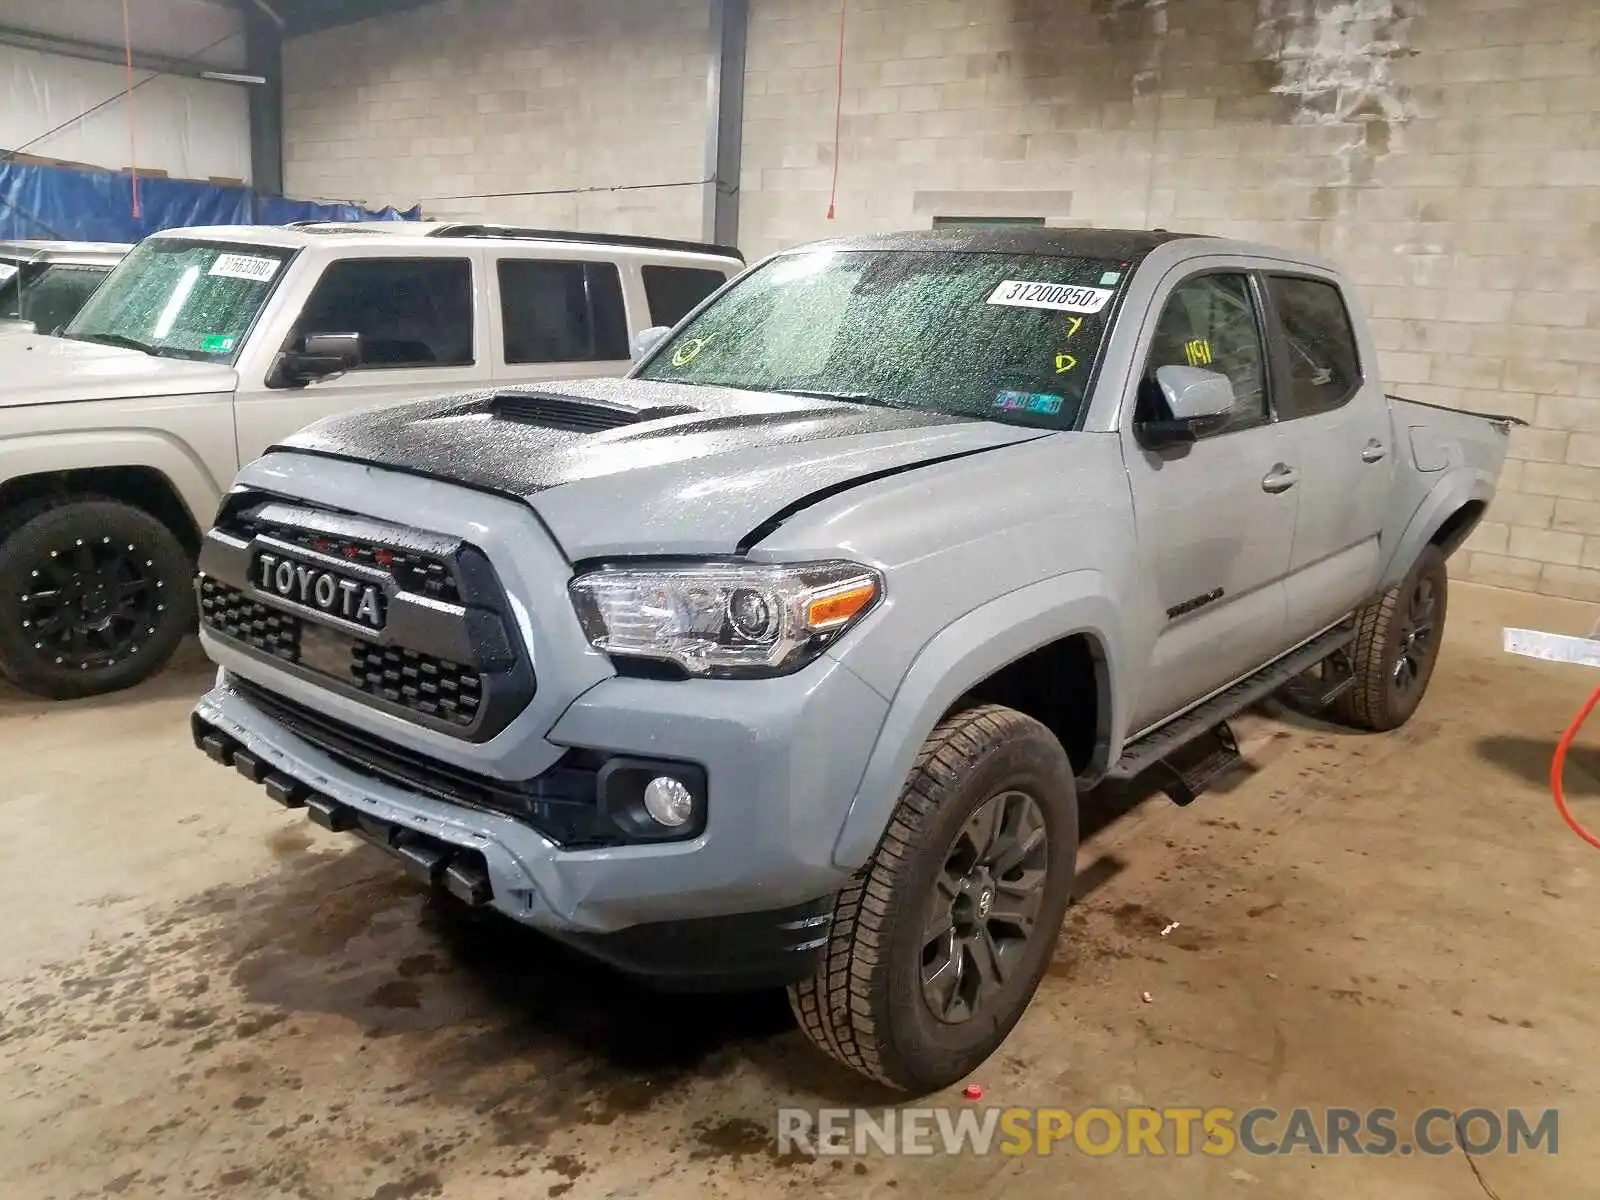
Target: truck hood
{"points": [[35, 369], [626, 467]]}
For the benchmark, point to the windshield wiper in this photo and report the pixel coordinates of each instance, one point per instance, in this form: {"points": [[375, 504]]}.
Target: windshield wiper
{"points": [[848, 397], [117, 339]]}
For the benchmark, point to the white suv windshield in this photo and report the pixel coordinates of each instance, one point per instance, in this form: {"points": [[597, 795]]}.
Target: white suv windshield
{"points": [[182, 299]]}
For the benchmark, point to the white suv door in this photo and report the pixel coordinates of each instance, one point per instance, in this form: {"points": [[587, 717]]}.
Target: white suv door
{"points": [[424, 332]]}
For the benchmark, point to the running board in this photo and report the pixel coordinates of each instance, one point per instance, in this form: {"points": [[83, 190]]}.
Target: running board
{"points": [[1211, 716]]}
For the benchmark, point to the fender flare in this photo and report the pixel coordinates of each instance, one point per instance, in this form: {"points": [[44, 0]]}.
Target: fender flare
{"points": [[1459, 488], [43, 454], [959, 656]]}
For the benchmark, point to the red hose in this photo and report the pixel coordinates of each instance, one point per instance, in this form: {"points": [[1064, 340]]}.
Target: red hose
{"points": [[1558, 764]]}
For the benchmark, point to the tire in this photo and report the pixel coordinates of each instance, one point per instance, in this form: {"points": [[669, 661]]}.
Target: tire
{"points": [[869, 1004], [1396, 647], [119, 606]]}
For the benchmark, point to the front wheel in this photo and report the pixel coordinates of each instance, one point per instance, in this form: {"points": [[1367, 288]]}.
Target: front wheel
{"points": [[938, 945], [94, 598], [1396, 647]]}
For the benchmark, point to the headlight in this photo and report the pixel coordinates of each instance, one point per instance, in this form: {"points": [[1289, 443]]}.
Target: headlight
{"points": [[724, 618]]}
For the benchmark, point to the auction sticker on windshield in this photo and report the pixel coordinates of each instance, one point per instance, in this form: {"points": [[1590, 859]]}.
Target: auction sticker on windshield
{"points": [[244, 266], [1061, 297]]}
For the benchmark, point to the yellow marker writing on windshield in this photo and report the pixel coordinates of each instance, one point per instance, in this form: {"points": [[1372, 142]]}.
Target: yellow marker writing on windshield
{"points": [[1073, 325], [690, 350], [1065, 363], [1198, 352]]}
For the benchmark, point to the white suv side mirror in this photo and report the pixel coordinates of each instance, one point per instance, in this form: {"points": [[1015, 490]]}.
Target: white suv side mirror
{"points": [[647, 340]]}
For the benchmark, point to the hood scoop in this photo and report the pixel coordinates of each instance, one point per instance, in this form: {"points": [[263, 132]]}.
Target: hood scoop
{"points": [[573, 414]]}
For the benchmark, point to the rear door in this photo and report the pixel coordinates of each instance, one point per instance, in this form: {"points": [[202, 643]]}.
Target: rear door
{"points": [[1216, 518], [560, 318], [1333, 408]]}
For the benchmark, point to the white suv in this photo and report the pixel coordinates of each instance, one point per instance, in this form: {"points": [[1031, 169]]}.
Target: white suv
{"points": [[206, 346]]}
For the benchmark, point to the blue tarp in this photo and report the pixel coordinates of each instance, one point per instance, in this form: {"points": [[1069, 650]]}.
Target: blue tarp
{"points": [[86, 205]]}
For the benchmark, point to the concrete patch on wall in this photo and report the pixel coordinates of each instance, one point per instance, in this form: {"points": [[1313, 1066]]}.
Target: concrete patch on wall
{"points": [[1333, 59]]}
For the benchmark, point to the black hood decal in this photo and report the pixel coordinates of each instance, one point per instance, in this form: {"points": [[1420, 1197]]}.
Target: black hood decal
{"points": [[618, 467]]}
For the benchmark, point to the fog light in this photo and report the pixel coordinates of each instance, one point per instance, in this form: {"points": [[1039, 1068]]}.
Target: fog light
{"points": [[668, 802]]}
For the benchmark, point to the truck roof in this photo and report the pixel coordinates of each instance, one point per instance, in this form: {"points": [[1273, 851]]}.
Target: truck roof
{"points": [[1130, 246], [428, 234]]}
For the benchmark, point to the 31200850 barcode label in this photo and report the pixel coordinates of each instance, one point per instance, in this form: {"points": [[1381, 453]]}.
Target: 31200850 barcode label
{"points": [[1061, 297]]}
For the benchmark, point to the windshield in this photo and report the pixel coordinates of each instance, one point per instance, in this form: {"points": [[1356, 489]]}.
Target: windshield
{"points": [[49, 296], [182, 299], [1003, 337]]}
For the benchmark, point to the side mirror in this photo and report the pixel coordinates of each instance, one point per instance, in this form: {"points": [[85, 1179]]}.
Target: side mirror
{"points": [[647, 340], [323, 355], [1194, 396]]}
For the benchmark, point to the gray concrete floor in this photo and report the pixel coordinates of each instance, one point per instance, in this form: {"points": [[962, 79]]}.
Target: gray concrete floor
{"points": [[203, 996]]}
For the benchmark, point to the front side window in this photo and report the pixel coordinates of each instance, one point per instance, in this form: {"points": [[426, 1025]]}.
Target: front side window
{"points": [[1002, 337], [675, 292], [177, 298], [562, 311], [1324, 366], [1211, 322], [410, 312]]}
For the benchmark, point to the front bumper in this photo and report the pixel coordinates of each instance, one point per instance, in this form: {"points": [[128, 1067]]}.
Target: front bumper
{"points": [[744, 902]]}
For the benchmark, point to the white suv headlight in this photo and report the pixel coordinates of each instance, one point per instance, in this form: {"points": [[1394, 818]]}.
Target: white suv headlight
{"points": [[729, 619]]}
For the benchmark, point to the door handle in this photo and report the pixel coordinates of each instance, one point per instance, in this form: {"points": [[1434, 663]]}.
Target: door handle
{"points": [[1280, 479], [1373, 451]]}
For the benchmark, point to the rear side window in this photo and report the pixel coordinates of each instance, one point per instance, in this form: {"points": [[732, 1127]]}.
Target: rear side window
{"points": [[1324, 366], [556, 312], [675, 292], [409, 312]]}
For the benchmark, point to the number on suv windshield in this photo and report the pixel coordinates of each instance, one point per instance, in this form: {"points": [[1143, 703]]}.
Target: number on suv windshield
{"points": [[181, 299]]}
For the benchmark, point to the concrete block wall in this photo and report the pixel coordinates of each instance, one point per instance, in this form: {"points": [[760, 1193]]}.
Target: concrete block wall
{"points": [[457, 103], [1447, 152]]}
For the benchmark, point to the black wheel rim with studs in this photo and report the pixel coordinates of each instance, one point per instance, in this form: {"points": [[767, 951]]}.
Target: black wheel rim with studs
{"points": [[91, 603], [1419, 630], [984, 906]]}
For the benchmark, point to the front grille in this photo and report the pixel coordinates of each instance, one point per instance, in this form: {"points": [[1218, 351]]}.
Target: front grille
{"points": [[446, 657], [231, 612], [418, 573], [420, 682]]}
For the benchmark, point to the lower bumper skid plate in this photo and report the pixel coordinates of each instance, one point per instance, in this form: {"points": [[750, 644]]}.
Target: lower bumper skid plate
{"points": [[460, 872]]}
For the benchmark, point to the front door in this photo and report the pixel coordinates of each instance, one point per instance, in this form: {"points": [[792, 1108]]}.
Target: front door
{"points": [[421, 335], [1216, 518]]}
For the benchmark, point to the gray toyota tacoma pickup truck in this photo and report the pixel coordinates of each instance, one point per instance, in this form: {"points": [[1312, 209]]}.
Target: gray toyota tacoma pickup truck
{"points": [[785, 659]]}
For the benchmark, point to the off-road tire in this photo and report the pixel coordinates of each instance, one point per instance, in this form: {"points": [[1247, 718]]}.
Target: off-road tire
{"points": [[30, 536], [864, 1006], [1375, 702]]}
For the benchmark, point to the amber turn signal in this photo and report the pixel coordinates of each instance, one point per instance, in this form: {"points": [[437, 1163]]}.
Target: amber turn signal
{"points": [[840, 605]]}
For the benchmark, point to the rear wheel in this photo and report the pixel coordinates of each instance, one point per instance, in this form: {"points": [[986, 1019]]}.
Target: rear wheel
{"points": [[1396, 647], [938, 946], [94, 598]]}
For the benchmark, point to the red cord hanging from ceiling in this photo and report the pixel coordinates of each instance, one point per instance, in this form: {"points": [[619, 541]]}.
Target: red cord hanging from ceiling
{"points": [[838, 113]]}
